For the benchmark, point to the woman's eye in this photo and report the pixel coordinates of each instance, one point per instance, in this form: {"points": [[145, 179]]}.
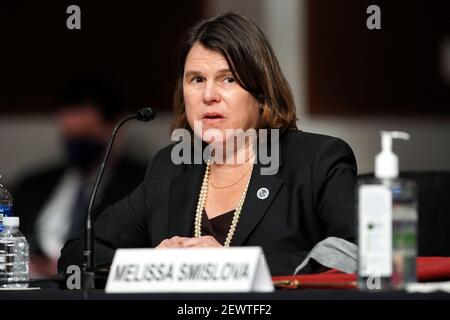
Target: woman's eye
{"points": [[229, 80], [196, 79]]}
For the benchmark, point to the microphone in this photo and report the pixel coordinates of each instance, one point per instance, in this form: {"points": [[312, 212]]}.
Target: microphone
{"points": [[146, 114], [89, 268]]}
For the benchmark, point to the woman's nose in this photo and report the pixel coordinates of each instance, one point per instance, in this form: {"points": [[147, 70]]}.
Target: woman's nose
{"points": [[210, 93]]}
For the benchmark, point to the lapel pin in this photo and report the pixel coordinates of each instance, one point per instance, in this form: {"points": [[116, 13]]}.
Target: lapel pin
{"points": [[262, 193]]}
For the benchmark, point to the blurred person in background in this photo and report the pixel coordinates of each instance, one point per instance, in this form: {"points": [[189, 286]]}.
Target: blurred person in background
{"points": [[52, 203]]}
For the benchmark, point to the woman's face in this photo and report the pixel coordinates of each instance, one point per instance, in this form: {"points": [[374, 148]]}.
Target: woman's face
{"points": [[212, 95]]}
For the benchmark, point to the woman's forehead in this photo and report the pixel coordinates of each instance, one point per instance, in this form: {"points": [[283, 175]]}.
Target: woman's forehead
{"points": [[201, 59]]}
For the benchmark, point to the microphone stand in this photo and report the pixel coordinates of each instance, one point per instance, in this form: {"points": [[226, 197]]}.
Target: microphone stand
{"points": [[89, 267]]}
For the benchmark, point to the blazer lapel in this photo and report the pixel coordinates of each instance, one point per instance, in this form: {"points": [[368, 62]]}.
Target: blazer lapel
{"points": [[183, 200], [256, 203]]}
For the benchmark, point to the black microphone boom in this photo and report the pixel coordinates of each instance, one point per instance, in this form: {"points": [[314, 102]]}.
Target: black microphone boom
{"points": [[146, 114], [89, 268]]}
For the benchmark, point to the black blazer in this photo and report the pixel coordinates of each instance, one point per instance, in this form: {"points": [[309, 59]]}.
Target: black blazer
{"points": [[310, 198]]}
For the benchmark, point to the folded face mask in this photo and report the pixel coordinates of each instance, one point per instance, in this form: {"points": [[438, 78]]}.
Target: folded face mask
{"points": [[334, 253]]}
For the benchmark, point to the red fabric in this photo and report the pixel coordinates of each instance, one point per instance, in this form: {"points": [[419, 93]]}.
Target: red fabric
{"points": [[428, 269], [433, 268]]}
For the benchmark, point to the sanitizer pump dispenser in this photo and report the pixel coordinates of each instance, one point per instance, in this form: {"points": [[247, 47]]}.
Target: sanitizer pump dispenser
{"points": [[387, 223]]}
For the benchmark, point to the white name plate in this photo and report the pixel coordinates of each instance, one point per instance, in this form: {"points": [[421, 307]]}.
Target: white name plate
{"points": [[238, 269]]}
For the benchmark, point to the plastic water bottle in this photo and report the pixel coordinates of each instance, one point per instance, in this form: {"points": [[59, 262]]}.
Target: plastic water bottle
{"points": [[6, 203], [14, 255]]}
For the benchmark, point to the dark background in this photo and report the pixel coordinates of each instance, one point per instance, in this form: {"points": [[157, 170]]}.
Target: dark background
{"points": [[351, 70], [130, 42], [393, 71]]}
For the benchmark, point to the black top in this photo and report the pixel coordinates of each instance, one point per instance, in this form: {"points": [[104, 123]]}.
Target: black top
{"points": [[311, 196], [218, 226]]}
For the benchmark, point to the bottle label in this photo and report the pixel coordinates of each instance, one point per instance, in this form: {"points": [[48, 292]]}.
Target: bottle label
{"points": [[375, 231], [405, 228], [5, 211]]}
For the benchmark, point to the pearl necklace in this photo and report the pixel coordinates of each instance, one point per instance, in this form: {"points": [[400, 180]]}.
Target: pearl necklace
{"points": [[202, 202]]}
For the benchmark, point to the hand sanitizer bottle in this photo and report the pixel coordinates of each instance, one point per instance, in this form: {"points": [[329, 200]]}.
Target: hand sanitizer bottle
{"points": [[387, 223]]}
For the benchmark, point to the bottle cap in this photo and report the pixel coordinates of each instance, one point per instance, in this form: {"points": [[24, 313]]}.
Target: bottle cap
{"points": [[386, 162], [11, 221]]}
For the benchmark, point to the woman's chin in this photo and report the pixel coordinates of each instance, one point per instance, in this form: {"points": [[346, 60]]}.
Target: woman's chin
{"points": [[213, 139], [213, 134]]}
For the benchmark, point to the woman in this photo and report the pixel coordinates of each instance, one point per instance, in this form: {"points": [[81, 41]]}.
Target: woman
{"points": [[229, 78]]}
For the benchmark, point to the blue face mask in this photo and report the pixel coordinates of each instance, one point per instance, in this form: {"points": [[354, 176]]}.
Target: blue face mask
{"points": [[84, 153]]}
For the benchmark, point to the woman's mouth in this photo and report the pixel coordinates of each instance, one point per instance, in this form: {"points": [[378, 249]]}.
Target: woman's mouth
{"points": [[212, 117]]}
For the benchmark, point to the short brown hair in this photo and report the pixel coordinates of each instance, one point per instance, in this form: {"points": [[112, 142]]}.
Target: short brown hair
{"points": [[251, 60]]}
